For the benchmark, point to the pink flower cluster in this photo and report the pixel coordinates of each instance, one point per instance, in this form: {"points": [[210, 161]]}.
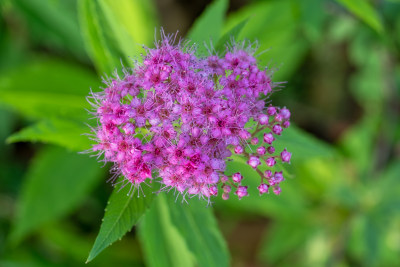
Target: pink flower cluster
{"points": [[178, 117]]}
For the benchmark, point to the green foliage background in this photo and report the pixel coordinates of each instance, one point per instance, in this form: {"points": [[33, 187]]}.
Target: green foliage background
{"points": [[340, 203]]}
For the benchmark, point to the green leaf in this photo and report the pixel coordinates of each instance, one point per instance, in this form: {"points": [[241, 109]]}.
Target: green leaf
{"points": [[386, 192], [229, 36], [301, 144], [197, 225], [132, 24], [114, 31], [208, 26], [162, 243], [363, 10], [176, 234], [290, 201], [48, 88], [97, 47], [284, 47], [68, 134], [357, 142], [283, 239], [53, 23], [123, 211], [57, 181]]}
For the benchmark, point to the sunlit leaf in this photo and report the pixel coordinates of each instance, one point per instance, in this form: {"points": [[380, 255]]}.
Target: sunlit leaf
{"points": [[208, 26], [123, 211], [132, 23], [162, 243], [180, 234], [56, 183], [65, 133], [365, 12], [115, 31], [102, 53], [197, 225], [48, 88]]}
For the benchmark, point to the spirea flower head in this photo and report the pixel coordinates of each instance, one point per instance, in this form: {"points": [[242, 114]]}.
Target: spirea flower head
{"points": [[177, 118]]}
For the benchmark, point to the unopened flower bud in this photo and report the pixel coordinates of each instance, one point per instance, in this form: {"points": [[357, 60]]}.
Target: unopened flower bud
{"points": [[286, 124], [237, 177], [267, 174], [268, 138], [238, 149], [277, 129], [263, 119], [277, 190], [254, 162], [241, 192], [254, 141], [271, 111], [263, 188], [285, 113], [261, 150], [271, 150], [270, 162], [225, 196], [285, 156]]}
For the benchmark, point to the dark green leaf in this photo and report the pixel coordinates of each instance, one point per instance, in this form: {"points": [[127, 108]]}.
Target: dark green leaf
{"points": [[208, 26], [56, 183], [283, 239], [162, 243], [68, 134], [53, 23], [123, 211]]}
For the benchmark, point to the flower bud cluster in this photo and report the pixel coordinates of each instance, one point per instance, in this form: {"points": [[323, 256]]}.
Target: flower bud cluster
{"points": [[178, 116]]}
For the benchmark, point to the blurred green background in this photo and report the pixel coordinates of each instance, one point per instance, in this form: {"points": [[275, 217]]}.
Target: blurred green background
{"points": [[340, 203]]}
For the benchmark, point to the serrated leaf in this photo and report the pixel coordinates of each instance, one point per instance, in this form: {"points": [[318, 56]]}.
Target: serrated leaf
{"points": [[208, 26], [56, 183], [48, 88], [197, 225], [162, 243], [68, 134], [365, 12], [123, 211]]}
